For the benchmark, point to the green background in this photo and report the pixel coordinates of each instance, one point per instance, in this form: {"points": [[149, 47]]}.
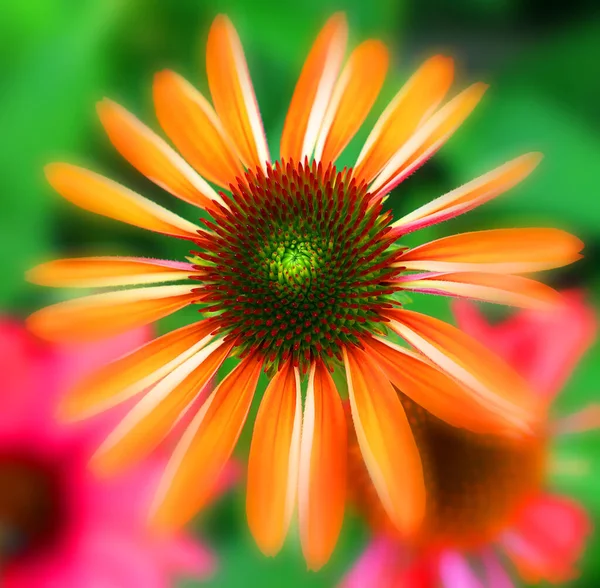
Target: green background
{"points": [[59, 57]]}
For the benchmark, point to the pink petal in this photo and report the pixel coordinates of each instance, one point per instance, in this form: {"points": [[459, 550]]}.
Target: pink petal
{"points": [[372, 565], [454, 571], [548, 538], [496, 575], [120, 560], [187, 556], [388, 564], [26, 364], [124, 500]]}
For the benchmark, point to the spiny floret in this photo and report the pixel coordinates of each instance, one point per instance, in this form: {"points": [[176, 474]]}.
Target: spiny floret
{"points": [[298, 264]]}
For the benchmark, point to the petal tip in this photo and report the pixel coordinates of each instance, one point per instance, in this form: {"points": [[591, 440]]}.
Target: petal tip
{"points": [[337, 23], [535, 158], [220, 24], [54, 170], [443, 62], [339, 17], [266, 548], [571, 243], [220, 18], [377, 47], [105, 103], [37, 325], [314, 566], [107, 109], [164, 76], [35, 275], [162, 519]]}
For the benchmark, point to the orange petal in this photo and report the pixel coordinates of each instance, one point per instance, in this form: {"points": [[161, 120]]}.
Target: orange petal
{"points": [[313, 90], [149, 154], [470, 195], [496, 385], [428, 139], [386, 441], [101, 315], [497, 288], [100, 195], [192, 124], [124, 378], [323, 454], [513, 251], [417, 99], [233, 94], [205, 447], [352, 99], [434, 390], [147, 424], [273, 461], [100, 272]]}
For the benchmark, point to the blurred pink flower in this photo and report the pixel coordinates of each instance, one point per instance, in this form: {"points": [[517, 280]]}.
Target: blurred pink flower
{"points": [[540, 533], [59, 525]]}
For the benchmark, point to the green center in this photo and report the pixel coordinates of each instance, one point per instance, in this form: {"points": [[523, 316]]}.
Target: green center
{"points": [[294, 265]]}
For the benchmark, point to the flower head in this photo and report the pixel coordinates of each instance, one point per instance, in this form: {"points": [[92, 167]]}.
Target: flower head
{"points": [[59, 524], [298, 270], [487, 496]]}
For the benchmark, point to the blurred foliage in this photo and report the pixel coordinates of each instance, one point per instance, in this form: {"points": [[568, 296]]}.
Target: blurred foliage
{"points": [[59, 57]]}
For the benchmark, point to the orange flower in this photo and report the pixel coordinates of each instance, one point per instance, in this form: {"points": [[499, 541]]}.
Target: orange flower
{"points": [[298, 273]]}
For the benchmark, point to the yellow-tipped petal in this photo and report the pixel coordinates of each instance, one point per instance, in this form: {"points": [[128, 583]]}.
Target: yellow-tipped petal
{"points": [[233, 94], [352, 99], [386, 441], [417, 99], [322, 488], [470, 195], [102, 272], [428, 138], [195, 129], [131, 374], [510, 251], [147, 424], [100, 195], [273, 461], [434, 390], [102, 315], [205, 447], [496, 385], [152, 156], [497, 288], [313, 90]]}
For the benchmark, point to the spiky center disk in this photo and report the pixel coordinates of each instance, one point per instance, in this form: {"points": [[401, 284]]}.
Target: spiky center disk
{"points": [[31, 509], [475, 483], [299, 264]]}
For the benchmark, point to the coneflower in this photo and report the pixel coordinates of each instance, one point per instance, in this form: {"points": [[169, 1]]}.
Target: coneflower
{"points": [[298, 271]]}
